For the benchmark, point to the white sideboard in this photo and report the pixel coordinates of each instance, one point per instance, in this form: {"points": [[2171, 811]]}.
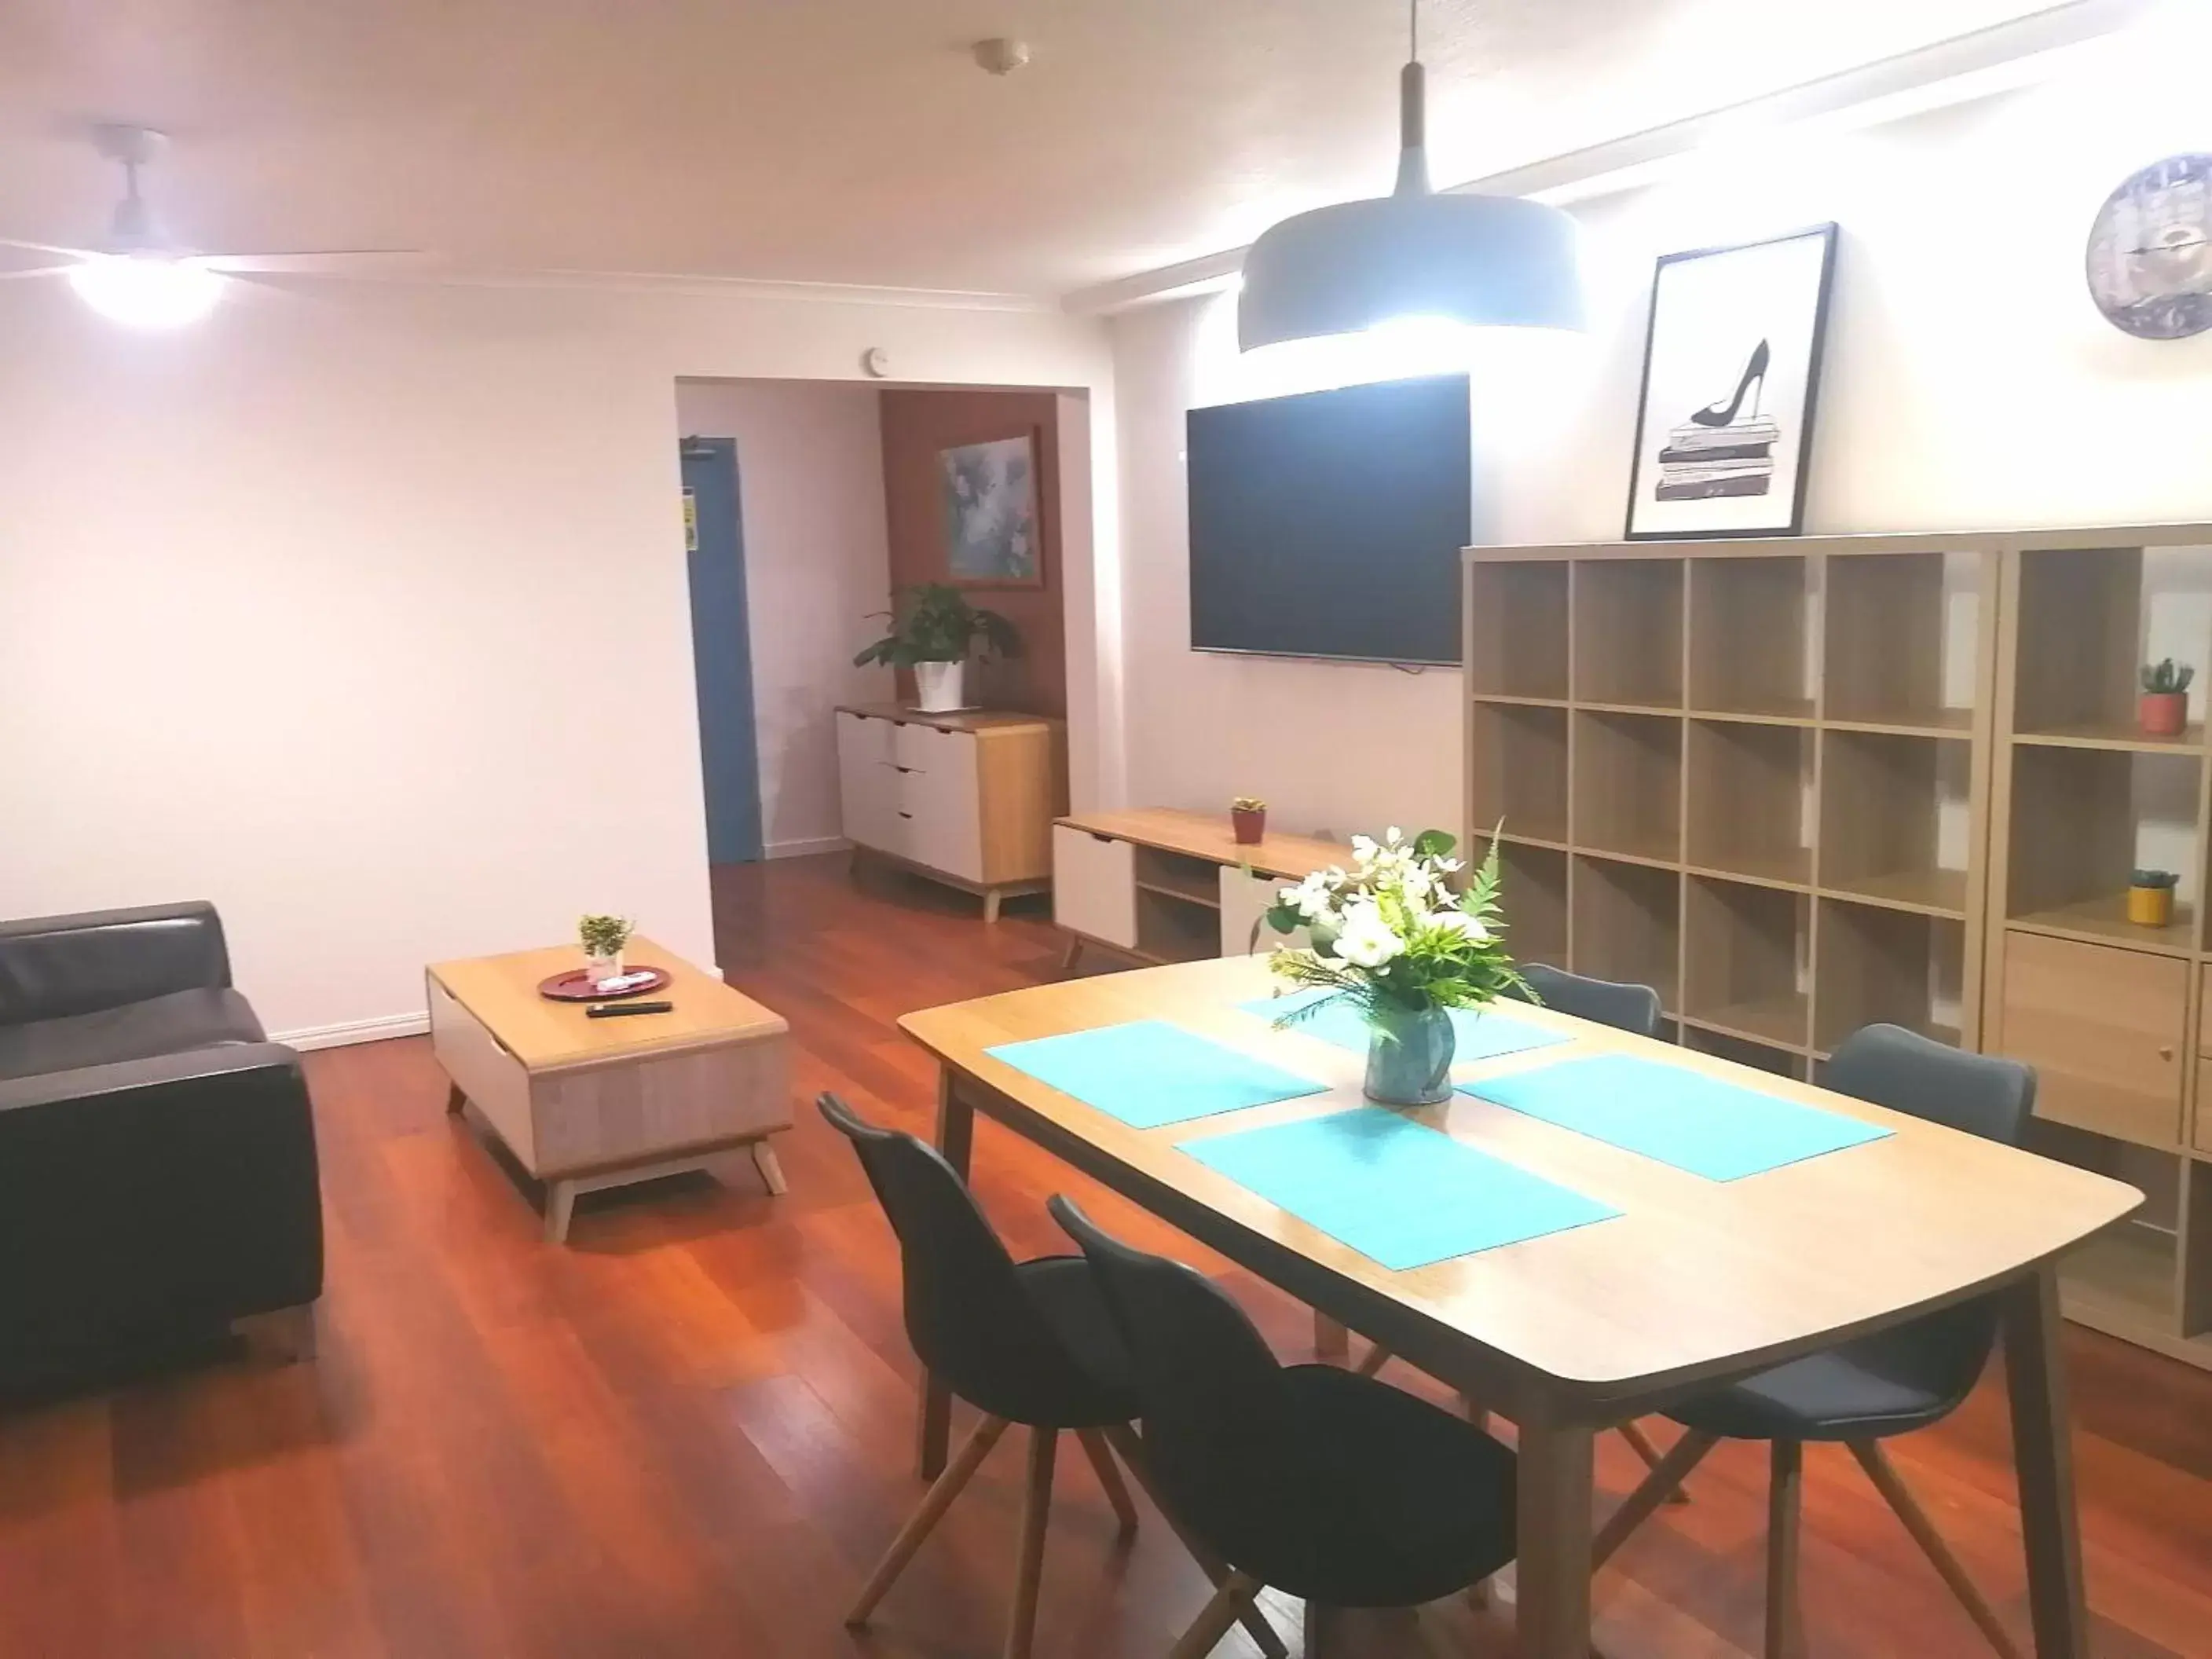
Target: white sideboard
{"points": [[966, 799], [1163, 885]]}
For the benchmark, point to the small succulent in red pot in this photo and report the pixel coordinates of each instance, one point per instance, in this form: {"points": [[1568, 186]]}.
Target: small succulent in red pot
{"points": [[1247, 820], [2163, 711]]}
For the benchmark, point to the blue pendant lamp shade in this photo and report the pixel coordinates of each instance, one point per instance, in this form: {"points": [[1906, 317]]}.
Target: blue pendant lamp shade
{"points": [[1485, 261]]}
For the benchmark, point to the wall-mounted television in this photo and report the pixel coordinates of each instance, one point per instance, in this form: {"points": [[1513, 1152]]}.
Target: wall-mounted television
{"points": [[1330, 524]]}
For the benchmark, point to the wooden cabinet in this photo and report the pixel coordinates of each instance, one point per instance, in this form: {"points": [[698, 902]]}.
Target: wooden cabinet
{"points": [[965, 799], [2106, 1030]]}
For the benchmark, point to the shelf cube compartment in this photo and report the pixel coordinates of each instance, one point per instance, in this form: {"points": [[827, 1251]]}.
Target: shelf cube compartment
{"points": [[1745, 955], [1517, 769], [2089, 619], [1625, 923], [1628, 784], [1533, 894], [1750, 794], [1751, 623], [2082, 820], [1761, 1056], [1879, 966], [1516, 629], [1628, 632], [1896, 818], [1903, 644]]}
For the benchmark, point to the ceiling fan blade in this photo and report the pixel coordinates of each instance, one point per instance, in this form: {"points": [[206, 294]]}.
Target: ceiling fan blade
{"points": [[37, 271], [331, 262], [47, 248]]}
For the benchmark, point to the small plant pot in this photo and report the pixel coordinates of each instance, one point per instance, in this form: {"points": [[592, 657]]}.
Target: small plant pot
{"points": [[2150, 907], [938, 686], [2162, 713], [1250, 827], [602, 967]]}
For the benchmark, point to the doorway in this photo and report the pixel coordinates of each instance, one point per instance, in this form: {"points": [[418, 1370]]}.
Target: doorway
{"points": [[721, 649]]}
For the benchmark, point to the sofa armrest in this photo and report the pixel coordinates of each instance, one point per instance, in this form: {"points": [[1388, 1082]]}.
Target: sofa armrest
{"points": [[154, 1191], [52, 967]]}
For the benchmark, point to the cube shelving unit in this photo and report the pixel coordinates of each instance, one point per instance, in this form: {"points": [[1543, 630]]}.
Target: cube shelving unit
{"points": [[1801, 785]]}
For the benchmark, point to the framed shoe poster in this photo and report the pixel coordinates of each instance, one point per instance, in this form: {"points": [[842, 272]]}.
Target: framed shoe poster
{"points": [[1731, 375]]}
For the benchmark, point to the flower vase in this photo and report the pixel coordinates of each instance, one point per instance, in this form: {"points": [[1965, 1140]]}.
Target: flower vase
{"points": [[1409, 1056]]}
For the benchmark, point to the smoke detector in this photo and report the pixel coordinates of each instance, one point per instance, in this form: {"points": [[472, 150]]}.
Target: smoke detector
{"points": [[1000, 55]]}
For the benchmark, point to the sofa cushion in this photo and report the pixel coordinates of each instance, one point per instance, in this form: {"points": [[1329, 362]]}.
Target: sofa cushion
{"points": [[201, 1019]]}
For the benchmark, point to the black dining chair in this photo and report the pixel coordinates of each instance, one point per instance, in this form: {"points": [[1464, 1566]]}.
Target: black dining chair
{"points": [[1308, 1479], [1028, 1342], [1865, 1391], [1631, 1008]]}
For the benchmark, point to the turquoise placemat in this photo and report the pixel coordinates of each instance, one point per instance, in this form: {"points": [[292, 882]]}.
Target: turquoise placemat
{"points": [[1397, 1191], [1678, 1116], [1151, 1073], [1483, 1035]]}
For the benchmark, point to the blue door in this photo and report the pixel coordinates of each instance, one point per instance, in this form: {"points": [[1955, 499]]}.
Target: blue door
{"points": [[722, 650]]}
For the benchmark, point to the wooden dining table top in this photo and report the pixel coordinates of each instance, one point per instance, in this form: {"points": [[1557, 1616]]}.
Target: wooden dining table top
{"points": [[1696, 1279]]}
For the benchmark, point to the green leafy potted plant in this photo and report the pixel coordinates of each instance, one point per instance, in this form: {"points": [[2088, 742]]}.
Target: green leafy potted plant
{"points": [[2163, 709], [2150, 897], [1392, 938], [934, 628], [1247, 820], [602, 938]]}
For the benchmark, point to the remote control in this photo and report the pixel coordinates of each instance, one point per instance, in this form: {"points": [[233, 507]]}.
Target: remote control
{"points": [[617, 1009]]}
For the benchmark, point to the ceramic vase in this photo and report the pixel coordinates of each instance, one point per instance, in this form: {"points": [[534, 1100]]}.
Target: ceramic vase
{"points": [[938, 686], [1409, 1056]]}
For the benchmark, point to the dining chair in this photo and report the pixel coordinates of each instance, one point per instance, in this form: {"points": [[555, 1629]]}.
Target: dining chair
{"points": [[1028, 1342], [1631, 1008], [1307, 1479], [1869, 1390]]}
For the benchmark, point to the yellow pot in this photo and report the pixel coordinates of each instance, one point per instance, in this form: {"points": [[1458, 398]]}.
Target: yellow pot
{"points": [[2150, 907]]}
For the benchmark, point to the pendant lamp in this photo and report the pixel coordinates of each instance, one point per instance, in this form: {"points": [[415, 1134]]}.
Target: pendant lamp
{"points": [[1485, 261]]}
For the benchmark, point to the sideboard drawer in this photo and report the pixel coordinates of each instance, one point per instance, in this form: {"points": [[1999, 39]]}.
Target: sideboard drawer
{"points": [[1094, 885], [2103, 1028]]}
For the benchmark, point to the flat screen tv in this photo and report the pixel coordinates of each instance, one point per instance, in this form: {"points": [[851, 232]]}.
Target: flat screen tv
{"points": [[1330, 524]]}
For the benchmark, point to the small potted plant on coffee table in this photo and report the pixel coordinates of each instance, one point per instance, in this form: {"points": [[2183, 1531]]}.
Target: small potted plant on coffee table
{"points": [[2163, 709], [602, 938], [2150, 897], [934, 628], [1247, 820]]}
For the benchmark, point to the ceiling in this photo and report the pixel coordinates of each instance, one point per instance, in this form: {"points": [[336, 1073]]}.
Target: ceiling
{"points": [[848, 141]]}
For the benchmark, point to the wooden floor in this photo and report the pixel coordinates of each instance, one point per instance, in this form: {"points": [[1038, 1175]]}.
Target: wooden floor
{"points": [[689, 1432]]}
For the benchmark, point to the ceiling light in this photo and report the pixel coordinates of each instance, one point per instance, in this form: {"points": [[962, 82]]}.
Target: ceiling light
{"points": [[144, 290], [1485, 261]]}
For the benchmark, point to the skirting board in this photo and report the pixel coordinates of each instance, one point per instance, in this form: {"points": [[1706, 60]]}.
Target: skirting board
{"points": [[808, 847], [353, 1030]]}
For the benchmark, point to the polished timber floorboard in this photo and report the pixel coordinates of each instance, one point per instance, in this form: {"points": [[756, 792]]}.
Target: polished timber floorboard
{"points": [[689, 1432]]}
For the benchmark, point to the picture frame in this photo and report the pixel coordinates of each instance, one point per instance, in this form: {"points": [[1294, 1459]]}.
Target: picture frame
{"points": [[1732, 362], [991, 505]]}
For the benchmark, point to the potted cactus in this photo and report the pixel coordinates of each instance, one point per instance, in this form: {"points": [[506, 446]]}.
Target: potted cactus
{"points": [[2150, 897], [2163, 709], [1247, 820]]}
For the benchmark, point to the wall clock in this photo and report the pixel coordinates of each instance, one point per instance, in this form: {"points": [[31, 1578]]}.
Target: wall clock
{"points": [[2150, 251]]}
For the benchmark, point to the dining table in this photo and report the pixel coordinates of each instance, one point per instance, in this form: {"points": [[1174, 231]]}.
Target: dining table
{"points": [[1691, 1283]]}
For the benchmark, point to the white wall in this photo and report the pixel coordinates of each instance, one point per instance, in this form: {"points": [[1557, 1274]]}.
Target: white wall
{"points": [[811, 480], [1970, 384], [307, 610]]}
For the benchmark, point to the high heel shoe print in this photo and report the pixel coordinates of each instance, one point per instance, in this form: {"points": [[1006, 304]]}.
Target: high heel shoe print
{"points": [[1754, 373]]}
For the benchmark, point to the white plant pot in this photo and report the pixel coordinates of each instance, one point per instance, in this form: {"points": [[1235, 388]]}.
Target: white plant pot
{"points": [[938, 686], [603, 967]]}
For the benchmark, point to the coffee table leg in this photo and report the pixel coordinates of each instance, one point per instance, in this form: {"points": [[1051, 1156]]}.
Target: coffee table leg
{"points": [[955, 1138], [560, 1203], [1551, 1578], [454, 1098], [771, 1170], [2043, 1453]]}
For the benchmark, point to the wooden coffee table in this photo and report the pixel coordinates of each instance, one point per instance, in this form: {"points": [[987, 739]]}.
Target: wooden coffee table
{"points": [[586, 1103]]}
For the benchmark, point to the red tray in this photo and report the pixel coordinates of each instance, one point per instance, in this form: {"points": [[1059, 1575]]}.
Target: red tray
{"points": [[575, 985]]}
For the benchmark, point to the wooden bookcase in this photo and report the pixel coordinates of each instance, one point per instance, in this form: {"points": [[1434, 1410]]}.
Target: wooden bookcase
{"points": [[1804, 785]]}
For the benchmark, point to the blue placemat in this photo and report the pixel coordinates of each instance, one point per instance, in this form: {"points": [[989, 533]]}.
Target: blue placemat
{"points": [[1395, 1190], [1476, 1036], [1678, 1116], [1150, 1073]]}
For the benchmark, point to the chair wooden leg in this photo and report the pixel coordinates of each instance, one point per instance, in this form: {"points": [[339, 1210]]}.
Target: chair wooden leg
{"points": [[1784, 1503], [1330, 1339], [1324, 1631], [1128, 1448], [1686, 1455], [934, 1503], [1029, 1570], [1640, 1444], [1215, 1619], [1377, 1358], [1068, 958], [1093, 1442], [1892, 1486]]}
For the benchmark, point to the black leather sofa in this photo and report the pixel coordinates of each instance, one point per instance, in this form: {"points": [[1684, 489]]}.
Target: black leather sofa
{"points": [[158, 1179]]}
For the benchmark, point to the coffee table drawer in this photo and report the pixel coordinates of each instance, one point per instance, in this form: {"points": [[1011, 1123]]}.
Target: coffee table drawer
{"points": [[495, 1082]]}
